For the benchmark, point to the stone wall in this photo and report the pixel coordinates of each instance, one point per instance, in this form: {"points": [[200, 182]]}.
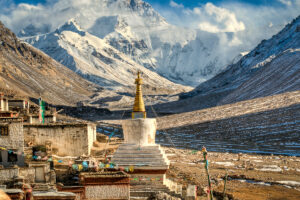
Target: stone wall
{"points": [[47, 118], [41, 171], [7, 174], [107, 192], [13, 141], [65, 139], [28, 174], [15, 138]]}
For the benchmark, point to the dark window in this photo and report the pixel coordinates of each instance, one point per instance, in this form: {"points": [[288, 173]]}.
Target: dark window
{"points": [[0, 156], [3, 130], [12, 157]]}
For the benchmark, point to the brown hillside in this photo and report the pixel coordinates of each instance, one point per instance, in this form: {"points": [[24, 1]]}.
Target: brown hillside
{"points": [[32, 73]]}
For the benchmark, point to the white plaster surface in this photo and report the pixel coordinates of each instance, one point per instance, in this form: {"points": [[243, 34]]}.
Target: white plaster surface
{"points": [[139, 131], [67, 140]]}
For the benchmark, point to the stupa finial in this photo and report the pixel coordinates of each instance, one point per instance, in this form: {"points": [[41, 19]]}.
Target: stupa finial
{"points": [[139, 106]]}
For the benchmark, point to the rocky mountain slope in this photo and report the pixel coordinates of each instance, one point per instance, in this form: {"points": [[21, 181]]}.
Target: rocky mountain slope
{"points": [[129, 33], [261, 125], [30, 72], [271, 68]]}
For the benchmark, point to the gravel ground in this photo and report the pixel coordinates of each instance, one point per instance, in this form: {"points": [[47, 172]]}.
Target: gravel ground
{"points": [[250, 176]]}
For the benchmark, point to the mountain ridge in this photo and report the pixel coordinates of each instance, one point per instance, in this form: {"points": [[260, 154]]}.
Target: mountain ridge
{"points": [[30, 72], [134, 28]]}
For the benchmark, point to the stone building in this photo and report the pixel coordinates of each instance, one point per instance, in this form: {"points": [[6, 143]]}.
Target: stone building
{"points": [[63, 139], [105, 185], [11, 142]]}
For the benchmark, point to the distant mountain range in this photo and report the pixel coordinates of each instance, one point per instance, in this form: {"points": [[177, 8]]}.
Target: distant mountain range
{"points": [[113, 37], [273, 67], [97, 61]]}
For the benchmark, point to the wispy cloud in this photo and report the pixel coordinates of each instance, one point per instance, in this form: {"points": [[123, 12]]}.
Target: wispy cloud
{"points": [[176, 5], [286, 2]]}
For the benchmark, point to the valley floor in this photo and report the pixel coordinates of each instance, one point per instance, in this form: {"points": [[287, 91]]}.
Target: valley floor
{"points": [[250, 176]]}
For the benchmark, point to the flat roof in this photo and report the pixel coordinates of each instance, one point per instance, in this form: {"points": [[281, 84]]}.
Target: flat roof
{"points": [[108, 174], [52, 194], [55, 124], [12, 191], [10, 119]]}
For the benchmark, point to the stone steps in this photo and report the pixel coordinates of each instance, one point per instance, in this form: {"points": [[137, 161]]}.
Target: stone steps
{"points": [[132, 151], [141, 164], [136, 155], [139, 159], [142, 191], [137, 147]]}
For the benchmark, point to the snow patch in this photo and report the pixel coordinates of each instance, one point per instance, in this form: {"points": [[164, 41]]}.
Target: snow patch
{"points": [[226, 164], [294, 183], [272, 168]]}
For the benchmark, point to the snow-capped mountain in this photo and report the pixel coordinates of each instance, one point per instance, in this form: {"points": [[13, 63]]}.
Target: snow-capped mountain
{"points": [[272, 67], [27, 71], [135, 29], [97, 61]]}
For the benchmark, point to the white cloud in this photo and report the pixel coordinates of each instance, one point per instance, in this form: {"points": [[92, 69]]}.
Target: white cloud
{"points": [[219, 19], [197, 11], [239, 27], [286, 2], [176, 5]]}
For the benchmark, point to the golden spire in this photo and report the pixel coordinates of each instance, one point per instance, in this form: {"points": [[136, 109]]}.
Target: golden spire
{"points": [[139, 106]]}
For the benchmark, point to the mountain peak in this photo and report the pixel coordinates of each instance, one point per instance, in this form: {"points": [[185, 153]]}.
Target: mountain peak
{"points": [[71, 25]]}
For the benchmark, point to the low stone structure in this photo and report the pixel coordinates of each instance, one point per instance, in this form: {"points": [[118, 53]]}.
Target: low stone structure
{"points": [[11, 142], [3, 103], [41, 171], [14, 194], [53, 195], [35, 119], [105, 185], [72, 139], [19, 103], [79, 191]]}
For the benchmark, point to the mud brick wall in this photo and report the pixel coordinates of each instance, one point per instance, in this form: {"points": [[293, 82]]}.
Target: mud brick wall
{"points": [[71, 140]]}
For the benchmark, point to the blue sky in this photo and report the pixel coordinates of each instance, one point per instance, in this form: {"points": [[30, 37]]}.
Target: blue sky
{"points": [[186, 3]]}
